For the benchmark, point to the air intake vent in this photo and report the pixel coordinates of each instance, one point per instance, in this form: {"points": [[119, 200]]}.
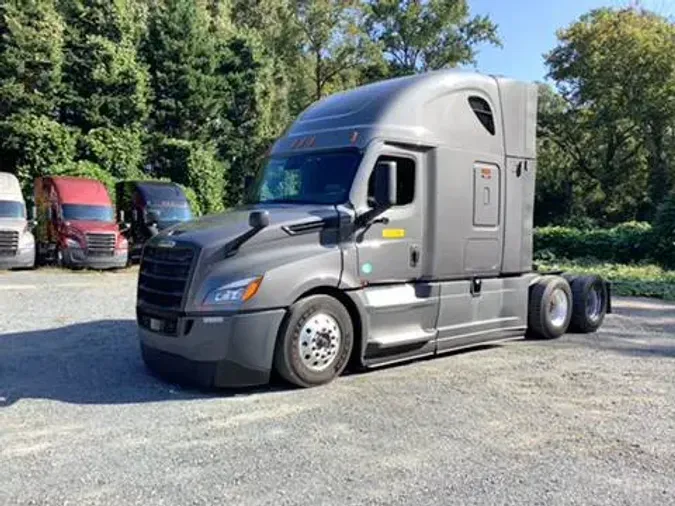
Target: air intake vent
{"points": [[309, 227], [100, 244], [9, 243], [163, 276]]}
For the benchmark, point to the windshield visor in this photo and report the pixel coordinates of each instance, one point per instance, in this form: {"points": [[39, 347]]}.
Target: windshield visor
{"points": [[306, 178], [12, 209], [80, 212]]}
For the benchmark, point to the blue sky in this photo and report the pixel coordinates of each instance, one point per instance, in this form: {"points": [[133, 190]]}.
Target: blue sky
{"points": [[527, 29]]}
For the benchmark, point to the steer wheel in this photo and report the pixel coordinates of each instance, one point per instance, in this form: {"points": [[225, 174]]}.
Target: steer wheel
{"points": [[315, 341]]}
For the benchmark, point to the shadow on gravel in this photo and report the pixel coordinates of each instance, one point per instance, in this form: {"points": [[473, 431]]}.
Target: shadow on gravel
{"points": [[652, 351], [89, 363]]}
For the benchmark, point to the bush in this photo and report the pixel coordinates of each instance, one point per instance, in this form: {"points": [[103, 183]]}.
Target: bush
{"points": [[116, 150], [630, 242], [194, 165], [33, 144], [627, 280], [664, 233]]}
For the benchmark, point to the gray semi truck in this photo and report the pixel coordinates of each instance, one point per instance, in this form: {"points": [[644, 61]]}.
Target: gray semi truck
{"points": [[390, 222]]}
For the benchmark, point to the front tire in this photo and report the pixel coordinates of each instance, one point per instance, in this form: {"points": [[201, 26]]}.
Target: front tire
{"points": [[550, 308], [315, 341]]}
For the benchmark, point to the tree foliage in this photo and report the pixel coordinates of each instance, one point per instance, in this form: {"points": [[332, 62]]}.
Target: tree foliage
{"points": [[105, 84], [31, 57], [419, 36], [615, 72]]}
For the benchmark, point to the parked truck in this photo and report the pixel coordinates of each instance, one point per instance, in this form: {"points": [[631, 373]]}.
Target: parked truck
{"points": [[150, 206], [76, 224], [17, 244], [390, 222]]}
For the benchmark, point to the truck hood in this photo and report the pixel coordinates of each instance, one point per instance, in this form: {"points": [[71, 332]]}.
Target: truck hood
{"points": [[92, 226], [214, 231], [18, 224]]}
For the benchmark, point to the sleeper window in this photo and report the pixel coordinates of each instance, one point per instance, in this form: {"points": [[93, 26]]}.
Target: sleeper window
{"points": [[483, 112], [405, 179]]}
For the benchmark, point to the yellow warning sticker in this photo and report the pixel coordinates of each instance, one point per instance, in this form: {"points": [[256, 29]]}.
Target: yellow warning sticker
{"points": [[393, 233]]}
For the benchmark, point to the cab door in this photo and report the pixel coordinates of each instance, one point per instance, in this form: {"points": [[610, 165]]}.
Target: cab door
{"points": [[401, 308], [389, 245]]}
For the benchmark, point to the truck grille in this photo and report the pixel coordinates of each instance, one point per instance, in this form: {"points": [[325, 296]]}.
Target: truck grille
{"points": [[9, 242], [163, 276], [100, 245]]}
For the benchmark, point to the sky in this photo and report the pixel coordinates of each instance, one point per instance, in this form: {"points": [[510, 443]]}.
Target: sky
{"points": [[528, 31]]}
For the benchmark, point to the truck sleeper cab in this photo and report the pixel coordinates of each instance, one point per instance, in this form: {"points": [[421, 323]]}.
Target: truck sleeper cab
{"points": [[391, 222], [76, 224], [17, 244], [151, 206]]}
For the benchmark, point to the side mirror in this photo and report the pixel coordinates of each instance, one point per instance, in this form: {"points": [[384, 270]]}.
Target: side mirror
{"points": [[134, 215], [259, 219], [34, 213], [385, 184], [248, 181], [120, 215]]}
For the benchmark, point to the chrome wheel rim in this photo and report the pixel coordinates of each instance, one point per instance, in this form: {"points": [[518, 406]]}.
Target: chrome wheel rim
{"points": [[319, 342], [558, 308], [594, 304]]}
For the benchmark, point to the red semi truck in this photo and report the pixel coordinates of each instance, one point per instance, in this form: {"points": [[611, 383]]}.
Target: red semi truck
{"points": [[76, 224]]}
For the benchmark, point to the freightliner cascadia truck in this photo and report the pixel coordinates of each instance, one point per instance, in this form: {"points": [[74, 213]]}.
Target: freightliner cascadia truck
{"points": [[150, 206], [390, 222], [76, 224], [17, 244]]}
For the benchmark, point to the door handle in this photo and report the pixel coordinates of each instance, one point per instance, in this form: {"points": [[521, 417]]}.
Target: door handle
{"points": [[414, 255]]}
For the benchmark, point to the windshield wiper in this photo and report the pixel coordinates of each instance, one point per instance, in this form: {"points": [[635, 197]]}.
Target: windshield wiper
{"points": [[288, 201]]}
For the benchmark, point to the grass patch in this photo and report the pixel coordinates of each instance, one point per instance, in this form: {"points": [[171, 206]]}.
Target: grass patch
{"points": [[627, 280]]}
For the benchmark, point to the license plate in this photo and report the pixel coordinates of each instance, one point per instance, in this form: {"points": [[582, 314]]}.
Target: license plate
{"points": [[155, 324]]}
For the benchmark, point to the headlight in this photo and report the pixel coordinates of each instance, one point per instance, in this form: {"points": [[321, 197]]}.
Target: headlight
{"points": [[234, 293], [27, 240], [72, 243]]}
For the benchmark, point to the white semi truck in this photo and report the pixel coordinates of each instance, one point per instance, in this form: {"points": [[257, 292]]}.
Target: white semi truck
{"points": [[17, 244]]}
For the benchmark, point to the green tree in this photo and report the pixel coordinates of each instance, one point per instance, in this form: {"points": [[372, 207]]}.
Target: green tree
{"points": [[615, 68], [31, 57], [31, 60], [106, 85], [181, 51], [32, 145], [419, 36], [334, 42]]}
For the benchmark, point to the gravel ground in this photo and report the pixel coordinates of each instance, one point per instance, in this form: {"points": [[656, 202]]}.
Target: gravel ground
{"points": [[582, 420]]}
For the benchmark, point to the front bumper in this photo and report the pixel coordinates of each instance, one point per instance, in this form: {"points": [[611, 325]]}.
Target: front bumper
{"points": [[77, 257], [24, 258], [236, 350]]}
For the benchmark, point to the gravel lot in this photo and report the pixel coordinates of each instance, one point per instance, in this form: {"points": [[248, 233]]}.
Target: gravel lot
{"points": [[582, 420]]}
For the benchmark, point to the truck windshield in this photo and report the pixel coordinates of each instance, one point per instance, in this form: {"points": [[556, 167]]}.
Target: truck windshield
{"points": [[177, 212], [81, 212], [306, 178], [12, 209]]}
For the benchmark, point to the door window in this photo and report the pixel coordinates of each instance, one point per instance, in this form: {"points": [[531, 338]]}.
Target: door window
{"points": [[405, 179]]}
